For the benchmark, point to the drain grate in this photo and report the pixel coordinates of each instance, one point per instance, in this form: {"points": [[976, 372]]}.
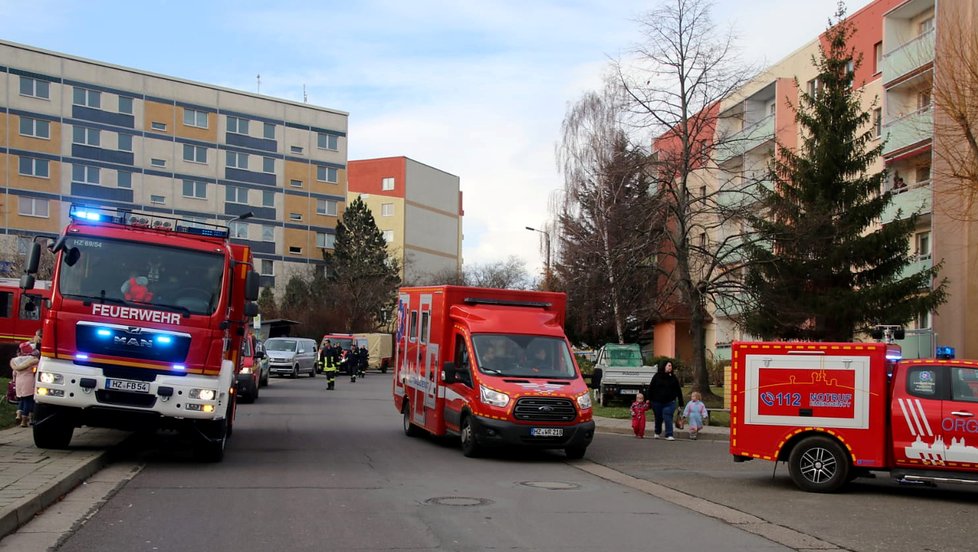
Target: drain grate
{"points": [[551, 485], [458, 501]]}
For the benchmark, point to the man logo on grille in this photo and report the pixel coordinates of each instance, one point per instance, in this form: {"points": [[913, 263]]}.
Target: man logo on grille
{"points": [[545, 408]]}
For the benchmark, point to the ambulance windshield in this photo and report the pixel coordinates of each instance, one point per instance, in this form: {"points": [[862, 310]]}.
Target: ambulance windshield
{"points": [[527, 356], [142, 275]]}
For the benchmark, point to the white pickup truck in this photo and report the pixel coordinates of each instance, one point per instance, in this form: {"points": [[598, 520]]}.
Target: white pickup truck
{"points": [[623, 375]]}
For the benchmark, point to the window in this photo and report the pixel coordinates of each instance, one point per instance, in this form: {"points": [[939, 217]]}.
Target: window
{"points": [[269, 131], [30, 166], [325, 241], [387, 210], [296, 149], [388, 236], [85, 174], [295, 216], [124, 179], [387, 184], [326, 207], [87, 98], [925, 26], [295, 183], [268, 164], [194, 154], [194, 118], [877, 57], [237, 160], [326, 174], [964, 384], [328, 141], [35, 88], [237, 125], [125, 142], [239, 229], [158, 126], [32, 207], [267, 233], [86, 136], [295, 250], [157, 162], [157, 199], [35, 127], [877, 122], [266, 267], [923, 245], [236, 194], [814, 86], [267, 198], [195, 188], [125, 105], [922, 381], [923, 99], [923, 173], [924, 320], [850, 67]]}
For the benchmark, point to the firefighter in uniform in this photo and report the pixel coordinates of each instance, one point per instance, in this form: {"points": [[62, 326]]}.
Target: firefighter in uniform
{"points": [[328, 362]]}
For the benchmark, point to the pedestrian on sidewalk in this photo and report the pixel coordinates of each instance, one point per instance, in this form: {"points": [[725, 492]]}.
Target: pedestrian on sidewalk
{"points": [[22, 368], [694, 414], [664, 393], [639, 408]]}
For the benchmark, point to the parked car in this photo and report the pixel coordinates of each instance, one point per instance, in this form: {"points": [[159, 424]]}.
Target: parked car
{"points": [[291, 356], [254, 369]]}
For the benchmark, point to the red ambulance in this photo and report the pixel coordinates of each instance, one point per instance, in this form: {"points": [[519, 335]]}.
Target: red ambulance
{"points": [[491, 366], [838, 411]]}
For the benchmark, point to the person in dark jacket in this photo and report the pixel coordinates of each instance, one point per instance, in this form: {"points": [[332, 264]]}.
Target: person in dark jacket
{"points": [[664, 393]]}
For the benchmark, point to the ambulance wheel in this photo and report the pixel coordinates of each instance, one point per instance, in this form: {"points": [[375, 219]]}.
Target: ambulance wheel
{"points": [[819, 465], [470, 445], [410, 429], [575, 453], [53, 427]]}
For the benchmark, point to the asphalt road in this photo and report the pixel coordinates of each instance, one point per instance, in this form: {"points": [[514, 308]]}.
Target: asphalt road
{"points": [[309, 469]]}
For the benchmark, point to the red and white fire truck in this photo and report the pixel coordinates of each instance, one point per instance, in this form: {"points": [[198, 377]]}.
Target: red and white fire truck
{"points": [[144, 327], [21, 313], [492, 366], [838, 411]]}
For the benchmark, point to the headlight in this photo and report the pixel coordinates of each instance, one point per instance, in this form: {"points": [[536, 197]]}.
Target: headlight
{"points": [[493, 398], [203, 394], [246, 370], [584, 401], [48, 377]]}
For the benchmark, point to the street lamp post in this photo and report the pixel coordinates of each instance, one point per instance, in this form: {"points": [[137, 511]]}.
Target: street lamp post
{"points": [[546, 274]]}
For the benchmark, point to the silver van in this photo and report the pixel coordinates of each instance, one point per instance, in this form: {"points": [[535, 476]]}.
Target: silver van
{"points": [[291, 356]]}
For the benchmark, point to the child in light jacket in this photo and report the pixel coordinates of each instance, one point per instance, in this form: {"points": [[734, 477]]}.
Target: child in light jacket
{"points": [[694, 414], [22, 367]]}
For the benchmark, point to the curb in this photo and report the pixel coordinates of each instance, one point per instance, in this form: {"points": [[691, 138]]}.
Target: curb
{"points": [[721, 435]]}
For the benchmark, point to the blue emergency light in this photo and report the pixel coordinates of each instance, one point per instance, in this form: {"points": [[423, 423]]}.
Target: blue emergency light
{"points": [[945, 352]]}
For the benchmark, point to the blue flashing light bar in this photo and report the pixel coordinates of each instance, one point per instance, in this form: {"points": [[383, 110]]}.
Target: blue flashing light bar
{"points": [[164, 339], [945, 352], [102, 332], [151, 221]]}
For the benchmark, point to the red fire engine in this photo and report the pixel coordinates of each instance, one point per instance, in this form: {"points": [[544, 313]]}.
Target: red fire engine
{"points": [[492, 366], [838, 411], [144, 328], [21, 313]]}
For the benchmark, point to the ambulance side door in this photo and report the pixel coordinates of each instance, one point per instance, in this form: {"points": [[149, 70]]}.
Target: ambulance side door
{"points": [[457, 393], [960, 421]]}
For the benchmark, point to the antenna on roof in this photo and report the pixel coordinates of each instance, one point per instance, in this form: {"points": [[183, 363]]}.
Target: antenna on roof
{"points": [[305, 98], [259, 83]]}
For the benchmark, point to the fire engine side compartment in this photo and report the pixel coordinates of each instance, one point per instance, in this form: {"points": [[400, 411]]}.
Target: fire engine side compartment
{"points": [[784, 392]]}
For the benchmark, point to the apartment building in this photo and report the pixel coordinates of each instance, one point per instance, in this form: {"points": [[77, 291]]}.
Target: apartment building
{"points": [[900, 42], [419, 210], [80, 131]]}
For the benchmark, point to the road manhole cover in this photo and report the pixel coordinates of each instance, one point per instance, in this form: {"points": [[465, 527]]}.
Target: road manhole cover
{"points": [[551, 485], [458, 501]]}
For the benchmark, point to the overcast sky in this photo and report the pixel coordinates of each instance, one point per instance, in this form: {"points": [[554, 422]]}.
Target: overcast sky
{"points": [[474, 88]]}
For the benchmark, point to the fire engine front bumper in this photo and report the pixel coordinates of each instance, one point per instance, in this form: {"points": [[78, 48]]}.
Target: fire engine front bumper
{"points": [[491, 432]]}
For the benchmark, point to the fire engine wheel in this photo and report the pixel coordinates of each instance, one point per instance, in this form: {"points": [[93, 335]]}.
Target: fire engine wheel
{"points": [[470, 445], [211, 447], [819, 465], [410, 429], [52, 427]]}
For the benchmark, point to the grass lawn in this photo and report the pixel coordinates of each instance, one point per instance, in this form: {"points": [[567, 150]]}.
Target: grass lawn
{"points": [[7, 410], [621, 410]]}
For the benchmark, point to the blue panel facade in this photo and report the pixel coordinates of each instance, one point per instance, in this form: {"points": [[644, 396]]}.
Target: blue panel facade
{"points": [[101, 192], [99, 154], [241, 175], [250, 142], [237, 209], [267, 281], [99, 116], [262, 247]]}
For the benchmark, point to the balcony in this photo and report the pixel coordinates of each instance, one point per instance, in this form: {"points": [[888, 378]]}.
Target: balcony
{"points": [[915, 199], [747, 139], [916, 53], [908, 130], [922, 263]]}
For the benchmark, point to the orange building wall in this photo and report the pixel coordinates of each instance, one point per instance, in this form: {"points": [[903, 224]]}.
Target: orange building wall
{"points": [[366, 176], [155, 112], [208, 134], [868, 26]]}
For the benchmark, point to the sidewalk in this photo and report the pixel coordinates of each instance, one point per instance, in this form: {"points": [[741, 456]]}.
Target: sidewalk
{"points": [[31, 479], [624, 426]]}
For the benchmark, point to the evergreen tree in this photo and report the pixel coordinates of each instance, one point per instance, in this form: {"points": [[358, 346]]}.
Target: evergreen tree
{"points": [[828, 270], [362, 277], [266, 303]]}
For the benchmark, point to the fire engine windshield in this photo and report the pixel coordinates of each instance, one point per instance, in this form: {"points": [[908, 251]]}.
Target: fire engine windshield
{"points": [[528, 356], [141, 275]]}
